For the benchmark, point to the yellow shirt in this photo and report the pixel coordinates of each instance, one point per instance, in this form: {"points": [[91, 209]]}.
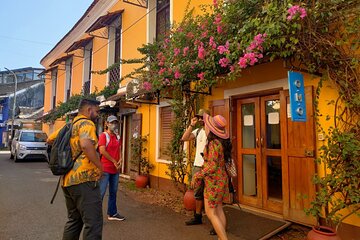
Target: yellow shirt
{"points": [[83, 170]]}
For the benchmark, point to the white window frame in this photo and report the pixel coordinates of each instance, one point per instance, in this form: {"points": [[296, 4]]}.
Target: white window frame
{"points": [[111, 49], [158, 127], [87, 62]]}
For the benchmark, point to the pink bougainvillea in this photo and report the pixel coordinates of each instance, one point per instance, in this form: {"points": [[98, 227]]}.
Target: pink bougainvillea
{"points": [[147, 86], [162, 70], [224, 48], [212, 43], [254, 52], [177, 74], [176, 52], [295, 10], [201, 52], [224, 62], [201, 75], [185, 51]]}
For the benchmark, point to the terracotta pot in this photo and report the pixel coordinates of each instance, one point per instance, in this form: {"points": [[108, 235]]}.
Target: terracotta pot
{"points": [[141, 181], [322, 233], [189, 200]]}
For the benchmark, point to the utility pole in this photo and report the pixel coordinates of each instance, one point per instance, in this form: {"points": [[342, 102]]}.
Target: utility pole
{"points": [[14, 105]]}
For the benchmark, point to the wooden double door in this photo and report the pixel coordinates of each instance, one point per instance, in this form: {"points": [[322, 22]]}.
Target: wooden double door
{"points": [[259, 152], [275, 156]]}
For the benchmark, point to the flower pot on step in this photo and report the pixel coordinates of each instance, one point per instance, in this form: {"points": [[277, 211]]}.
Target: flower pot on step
{"points": [[189, 200], [141, 181], [322, 233]]}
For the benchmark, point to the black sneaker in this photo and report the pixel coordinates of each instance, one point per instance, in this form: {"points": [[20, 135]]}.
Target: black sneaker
{"points": [[213, 232], [195, 221], [116, 217]]}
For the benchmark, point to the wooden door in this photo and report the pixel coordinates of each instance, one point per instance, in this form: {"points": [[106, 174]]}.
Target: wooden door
{"points": [[298, 165], [259, 152], [221, 107]]}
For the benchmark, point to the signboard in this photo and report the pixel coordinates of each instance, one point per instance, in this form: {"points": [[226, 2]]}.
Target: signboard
{"points": [[297, 96]]}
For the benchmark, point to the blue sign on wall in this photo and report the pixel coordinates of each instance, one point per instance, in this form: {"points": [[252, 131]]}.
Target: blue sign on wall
{"points": [[297, 97]]}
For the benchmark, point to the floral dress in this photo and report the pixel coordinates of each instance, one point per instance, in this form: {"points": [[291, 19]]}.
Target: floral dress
{"points": [[214, 174]]}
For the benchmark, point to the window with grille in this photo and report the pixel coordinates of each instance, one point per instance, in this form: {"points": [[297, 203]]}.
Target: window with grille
{"points": [[162, 18], [166, 118]]}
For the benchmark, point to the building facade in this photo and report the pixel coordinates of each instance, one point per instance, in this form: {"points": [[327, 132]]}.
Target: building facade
{"points": [[29, 98], [275, 156]]}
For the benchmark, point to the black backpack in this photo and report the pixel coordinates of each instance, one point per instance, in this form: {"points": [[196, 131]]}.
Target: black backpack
{"points": [[61, 160]]}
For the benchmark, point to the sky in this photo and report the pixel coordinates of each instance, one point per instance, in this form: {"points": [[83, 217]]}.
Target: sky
{"points": [[29, 29]]}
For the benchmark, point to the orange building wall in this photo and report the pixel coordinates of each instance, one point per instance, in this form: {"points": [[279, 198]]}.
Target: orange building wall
{"points": [[77, 72]]}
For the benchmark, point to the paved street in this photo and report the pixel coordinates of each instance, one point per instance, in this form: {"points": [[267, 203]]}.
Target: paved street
{"points": [[26, 213]]}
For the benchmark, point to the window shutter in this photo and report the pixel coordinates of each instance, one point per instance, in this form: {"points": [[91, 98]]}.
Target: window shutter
{"points": [[166, 117]]}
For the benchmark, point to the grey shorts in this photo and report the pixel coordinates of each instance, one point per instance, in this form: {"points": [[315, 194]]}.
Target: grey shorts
{"points": [[199, 191]]}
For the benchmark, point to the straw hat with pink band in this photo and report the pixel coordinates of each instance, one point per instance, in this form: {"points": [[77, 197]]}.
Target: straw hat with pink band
{"points": [[216, 125]]}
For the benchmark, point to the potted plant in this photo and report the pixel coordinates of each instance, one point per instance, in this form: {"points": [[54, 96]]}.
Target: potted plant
{"points": [[137, 157], [338, 196]]}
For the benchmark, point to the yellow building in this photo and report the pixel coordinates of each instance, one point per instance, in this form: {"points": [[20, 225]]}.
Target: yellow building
{"points": [[275, 155]]}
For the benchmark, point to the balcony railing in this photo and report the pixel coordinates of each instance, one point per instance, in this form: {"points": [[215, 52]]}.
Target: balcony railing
{"points": [[86, 88], [114, 75]]}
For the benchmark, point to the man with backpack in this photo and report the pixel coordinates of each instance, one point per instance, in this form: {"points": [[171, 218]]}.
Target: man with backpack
{"points": [[80, 184], [110, 150], [200, 137]]}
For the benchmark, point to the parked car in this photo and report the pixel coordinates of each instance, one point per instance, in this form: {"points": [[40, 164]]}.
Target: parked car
{"points": [[29, 144]]}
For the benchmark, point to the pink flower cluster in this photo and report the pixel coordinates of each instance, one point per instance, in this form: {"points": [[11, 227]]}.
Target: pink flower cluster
{"points": [[177, 74], [295, 10], [161, 58], [147, 86], [201, 52], [212, 43], [201, 75], [218, 24], [223, 48], [176, 52], [254, 52], [256, 44], [224, 62]]}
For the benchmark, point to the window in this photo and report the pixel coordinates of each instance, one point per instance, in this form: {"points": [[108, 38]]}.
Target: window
{"points": [[114, 49], [162, 18], [33, 137], [166, 117], [68, 72], [54, 83]]}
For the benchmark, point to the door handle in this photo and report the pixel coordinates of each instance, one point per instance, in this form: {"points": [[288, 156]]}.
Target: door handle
{"points": [[257, 142], [261, 141], [309, 153]]}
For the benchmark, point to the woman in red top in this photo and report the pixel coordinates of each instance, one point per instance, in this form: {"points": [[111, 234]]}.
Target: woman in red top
{"points": [[110, 150]]}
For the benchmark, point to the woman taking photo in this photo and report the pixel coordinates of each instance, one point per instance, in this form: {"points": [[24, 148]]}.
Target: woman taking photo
{"points": [[216, 152]]}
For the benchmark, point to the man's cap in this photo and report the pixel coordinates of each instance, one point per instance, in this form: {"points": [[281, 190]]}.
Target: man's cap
{"points": [[111, 118], [201, 112]]}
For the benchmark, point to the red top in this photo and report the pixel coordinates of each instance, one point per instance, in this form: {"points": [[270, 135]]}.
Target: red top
{"points": [[113, 148]]}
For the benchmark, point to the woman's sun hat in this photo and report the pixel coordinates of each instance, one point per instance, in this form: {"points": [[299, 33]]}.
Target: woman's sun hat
{"points": [[216, 125]]}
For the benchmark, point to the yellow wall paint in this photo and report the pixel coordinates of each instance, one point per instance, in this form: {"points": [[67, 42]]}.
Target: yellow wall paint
{"points": [[99, 62], [179, 8], [77, 72]]}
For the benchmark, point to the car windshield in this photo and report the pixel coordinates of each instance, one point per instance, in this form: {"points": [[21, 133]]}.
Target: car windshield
{"points": [[33, 137]]}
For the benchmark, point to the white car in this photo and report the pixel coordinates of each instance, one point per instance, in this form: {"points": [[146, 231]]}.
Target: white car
{"points": [[29, 145]]}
